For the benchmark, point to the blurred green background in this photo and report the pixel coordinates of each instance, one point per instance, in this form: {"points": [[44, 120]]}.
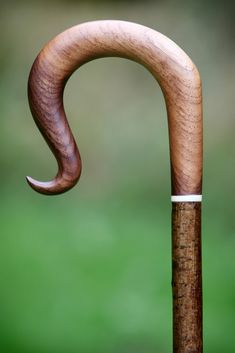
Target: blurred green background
{"points": [[90, 271]]}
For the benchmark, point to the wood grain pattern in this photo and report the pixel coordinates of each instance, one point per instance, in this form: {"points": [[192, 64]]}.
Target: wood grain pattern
{"points": [[181, 87], [171, 67], [186, 277]]}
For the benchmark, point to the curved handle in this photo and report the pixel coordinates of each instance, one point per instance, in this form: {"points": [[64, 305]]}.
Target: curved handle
{"points": [[172, 68]]}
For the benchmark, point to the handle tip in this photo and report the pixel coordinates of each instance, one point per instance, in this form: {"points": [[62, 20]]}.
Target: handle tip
{"points": [[46, 188], [53, 187]]}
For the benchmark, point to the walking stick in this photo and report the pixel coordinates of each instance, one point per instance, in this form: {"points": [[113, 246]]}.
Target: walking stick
{"points": [[180, 84]]}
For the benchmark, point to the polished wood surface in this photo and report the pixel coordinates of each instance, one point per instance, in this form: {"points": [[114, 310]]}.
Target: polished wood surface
{"points": [[172, 68], [180, 83]]}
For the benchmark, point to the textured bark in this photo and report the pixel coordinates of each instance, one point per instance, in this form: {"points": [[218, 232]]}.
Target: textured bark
{"points": [[187, 280]]}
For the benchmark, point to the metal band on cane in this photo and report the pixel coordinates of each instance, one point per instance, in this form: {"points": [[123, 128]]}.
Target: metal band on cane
{"points": [[186, 198]]}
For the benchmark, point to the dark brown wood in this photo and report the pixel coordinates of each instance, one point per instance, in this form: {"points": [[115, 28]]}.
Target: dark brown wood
{"points": [[186, 277], [181, 86]]}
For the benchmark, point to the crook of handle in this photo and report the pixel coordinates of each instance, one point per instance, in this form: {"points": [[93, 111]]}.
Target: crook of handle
{"points": [[175, 72]]}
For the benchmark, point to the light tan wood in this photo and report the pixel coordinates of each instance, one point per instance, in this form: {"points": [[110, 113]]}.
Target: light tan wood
{"points": [[172, 68]]}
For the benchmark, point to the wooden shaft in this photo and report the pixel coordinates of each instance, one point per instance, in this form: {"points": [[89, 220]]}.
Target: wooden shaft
{"points": [[180, 83], [186, 277], [171, 67]]}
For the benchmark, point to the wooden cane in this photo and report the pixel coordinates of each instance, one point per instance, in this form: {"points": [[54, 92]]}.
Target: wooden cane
{"points": [[181, 86]]}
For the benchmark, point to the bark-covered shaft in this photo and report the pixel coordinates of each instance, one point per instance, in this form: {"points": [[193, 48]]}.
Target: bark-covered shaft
{"points": [[186, 277]]}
